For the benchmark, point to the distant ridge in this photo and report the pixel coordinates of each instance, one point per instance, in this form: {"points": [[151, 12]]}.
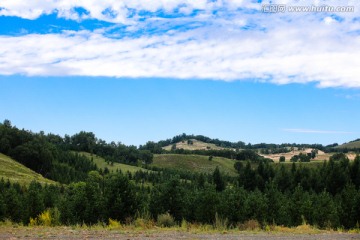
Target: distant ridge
{"points": [[351, 144]]}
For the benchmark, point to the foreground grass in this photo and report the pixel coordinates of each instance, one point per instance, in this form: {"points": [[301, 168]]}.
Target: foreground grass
{"points": [[16, 172], [39, 231], [194, 163]]}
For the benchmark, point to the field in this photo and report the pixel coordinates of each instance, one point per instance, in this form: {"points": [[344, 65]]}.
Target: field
{"points": [[195, 163], [197, 145], [16, 172], [101, 163]]}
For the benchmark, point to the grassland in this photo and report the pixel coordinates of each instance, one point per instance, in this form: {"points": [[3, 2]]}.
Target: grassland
{"points": [[196, 145], [16, 172], [101, 163], [355, 144], [320, 157], [195, 163]]}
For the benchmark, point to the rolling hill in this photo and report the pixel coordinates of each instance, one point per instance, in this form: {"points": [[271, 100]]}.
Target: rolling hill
{"points": [[193, 144], [195, 163], [101, 163], [352, 144], [16, 172]]}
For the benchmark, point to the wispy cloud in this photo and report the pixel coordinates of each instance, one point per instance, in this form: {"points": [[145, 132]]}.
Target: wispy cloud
{"points": [[221, 40], [299, 130]]}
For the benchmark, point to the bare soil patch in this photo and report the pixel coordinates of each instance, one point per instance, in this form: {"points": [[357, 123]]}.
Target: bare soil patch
{"points": [[70, 233]]}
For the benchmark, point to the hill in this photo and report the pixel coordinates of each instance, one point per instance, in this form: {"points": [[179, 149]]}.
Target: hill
{"points": [[193, 144], [194, 163], [101, 163], [16, 172], [352, 144]]}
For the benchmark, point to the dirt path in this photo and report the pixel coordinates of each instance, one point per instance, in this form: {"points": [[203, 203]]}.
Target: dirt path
{"points": [[68, 233]]}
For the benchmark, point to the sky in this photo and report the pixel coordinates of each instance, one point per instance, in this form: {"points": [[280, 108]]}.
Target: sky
{"points": [[139, 70]]}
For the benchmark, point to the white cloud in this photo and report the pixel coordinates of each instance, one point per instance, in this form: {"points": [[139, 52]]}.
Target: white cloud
{"points": [[120, 10], [281, 56], [230, 45]]}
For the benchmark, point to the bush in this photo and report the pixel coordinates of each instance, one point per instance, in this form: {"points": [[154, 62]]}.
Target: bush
{"points": [[44, 219], [220, 223], [113, 224], [250, 225], [165, 220], [50, 217]]}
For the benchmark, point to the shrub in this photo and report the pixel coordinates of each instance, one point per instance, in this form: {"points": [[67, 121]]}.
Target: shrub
{"points": [[220, 223], [143, 220], [113, 224], [44, 218], [165, 220], [249, 225], [50, 217], [184, 225]]}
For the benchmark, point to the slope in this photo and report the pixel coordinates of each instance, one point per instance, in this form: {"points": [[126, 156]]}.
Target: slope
{"points": [[353, 144], [194, 163], [16, 172], [101, 163]]}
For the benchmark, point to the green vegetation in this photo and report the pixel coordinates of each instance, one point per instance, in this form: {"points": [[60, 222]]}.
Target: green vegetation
{"points": [[16, 172], [112, 167], [214, 188], [351, 145], [194, 163]]}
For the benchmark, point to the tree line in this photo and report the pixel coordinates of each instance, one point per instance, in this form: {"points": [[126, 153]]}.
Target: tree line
{"points": [[265, 148], [325, 196], [58, 158]]}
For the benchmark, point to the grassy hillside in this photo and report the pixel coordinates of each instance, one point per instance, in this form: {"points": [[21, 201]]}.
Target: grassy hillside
{"points": [[101, 163], [355, 144], [196, 145], [321, 156], [16, 172], [195, 163]]}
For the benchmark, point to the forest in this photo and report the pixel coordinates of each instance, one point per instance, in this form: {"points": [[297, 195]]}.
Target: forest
{"points": [[325, 195]]}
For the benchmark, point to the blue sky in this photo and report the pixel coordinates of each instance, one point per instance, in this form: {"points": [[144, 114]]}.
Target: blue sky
{"points": [[134, 71]]}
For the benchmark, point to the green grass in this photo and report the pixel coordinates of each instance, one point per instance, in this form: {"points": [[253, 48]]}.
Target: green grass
{"points": [[194, 163], [101, 163], [16, 172], [355, 144]]}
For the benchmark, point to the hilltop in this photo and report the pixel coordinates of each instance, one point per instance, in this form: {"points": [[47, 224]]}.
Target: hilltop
{"points": [[192, 144]]}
